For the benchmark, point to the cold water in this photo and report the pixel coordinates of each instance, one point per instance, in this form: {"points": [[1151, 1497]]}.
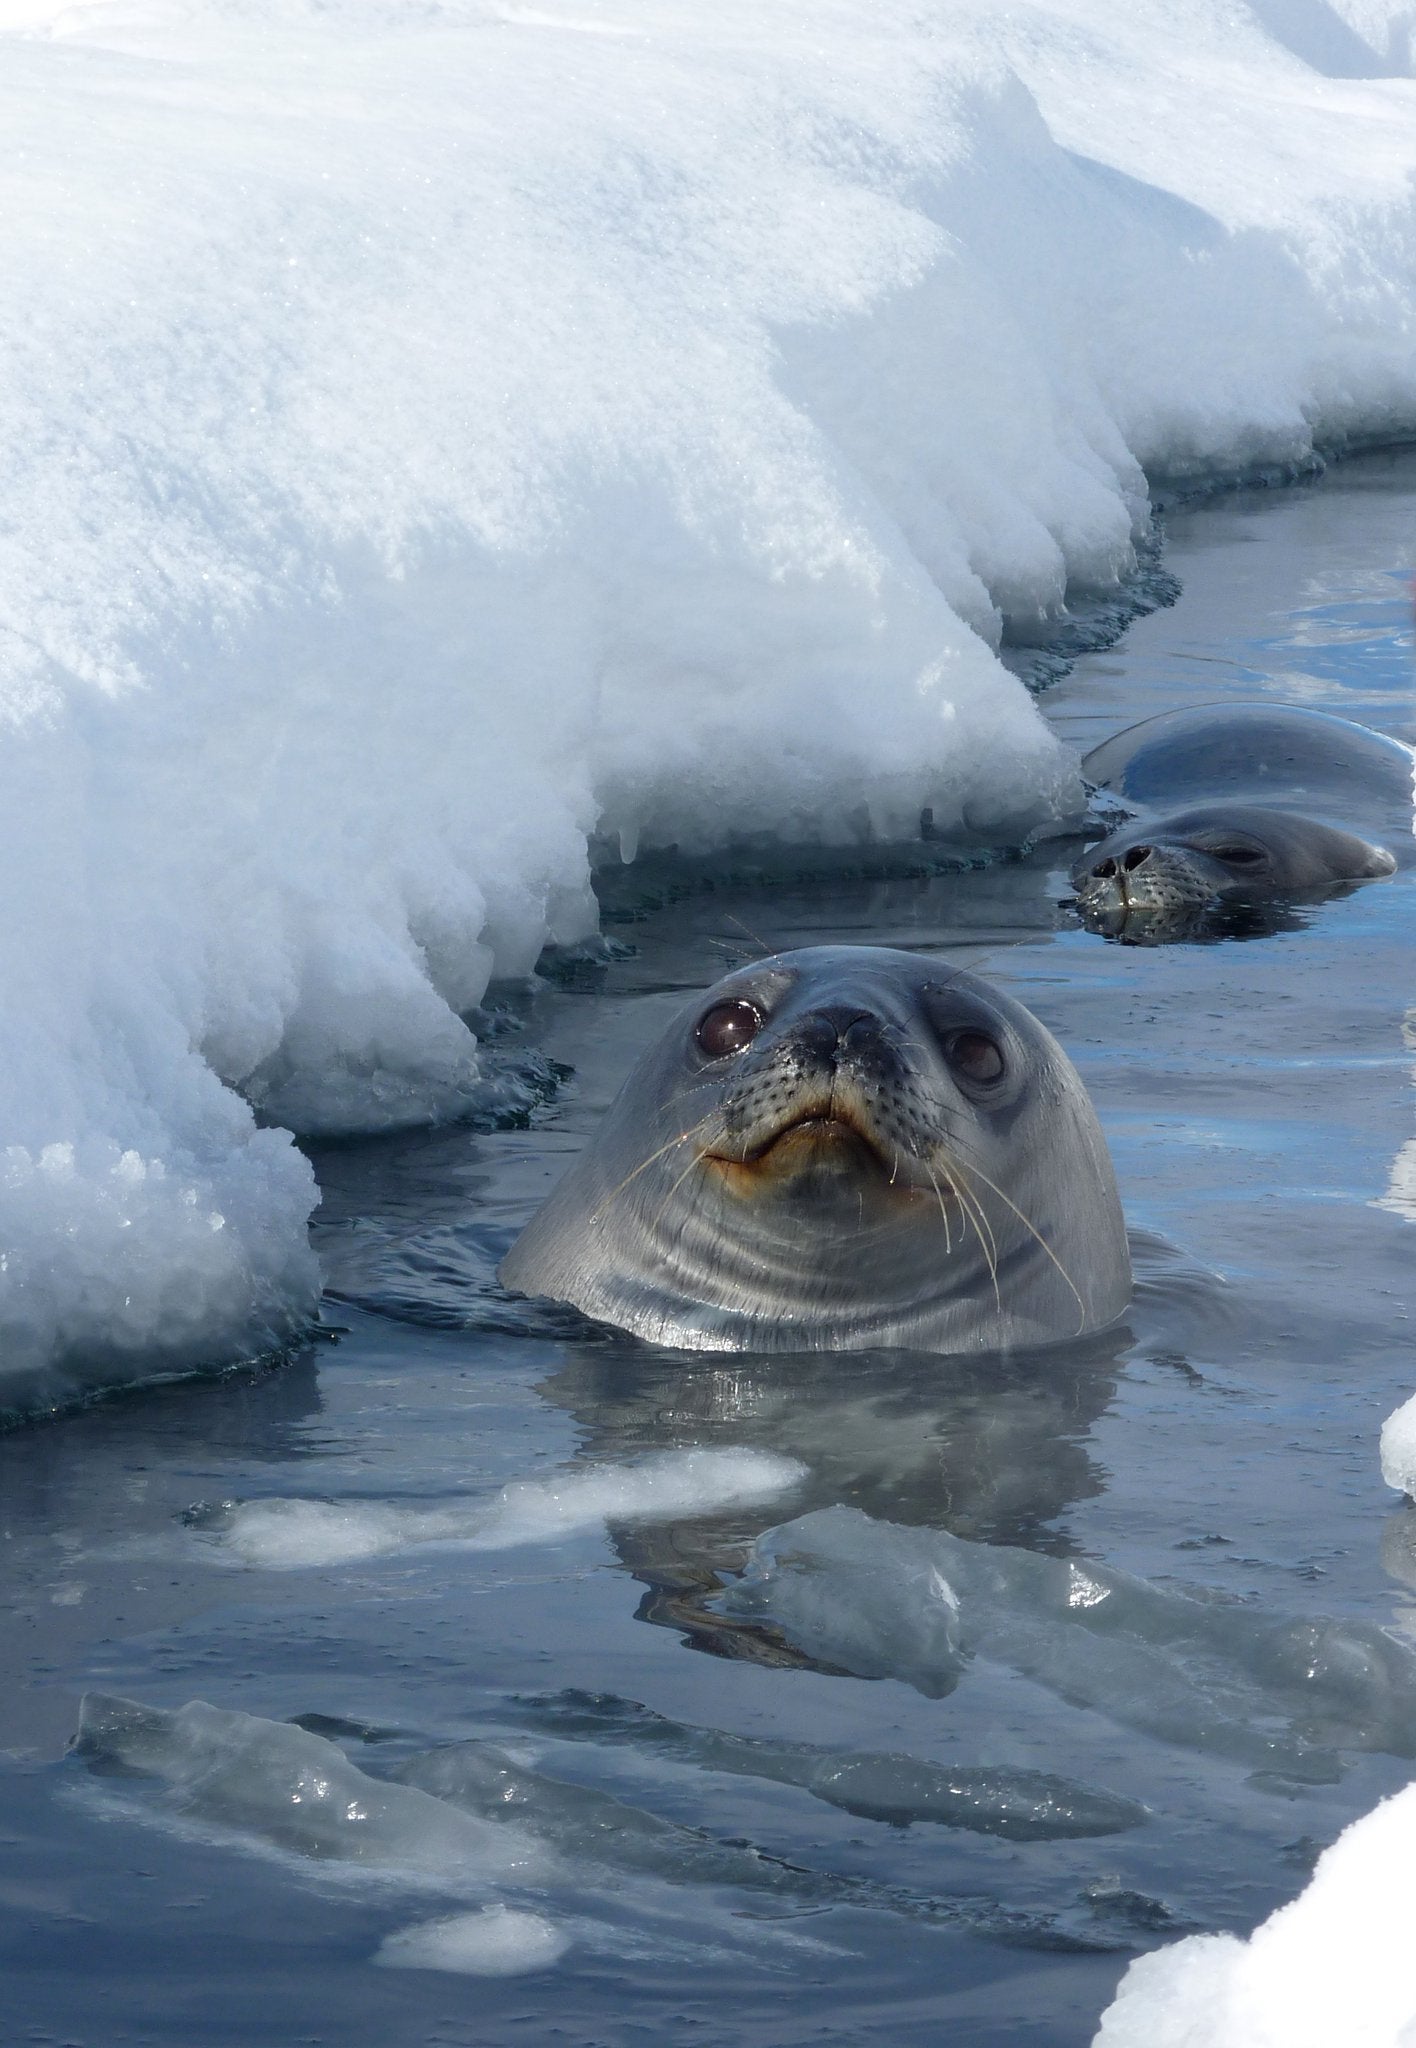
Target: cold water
{"points": [[554, 1688]]}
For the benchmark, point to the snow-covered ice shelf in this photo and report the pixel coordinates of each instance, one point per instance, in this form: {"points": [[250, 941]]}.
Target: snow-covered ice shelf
{"points": [[432, 437]]}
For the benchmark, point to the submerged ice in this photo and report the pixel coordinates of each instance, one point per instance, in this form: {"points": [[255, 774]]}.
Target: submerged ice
{"points": [[297, 1791], [434, 439], [467, 1821], [494, 1942], [1016, 1803], [1281, 1696]]}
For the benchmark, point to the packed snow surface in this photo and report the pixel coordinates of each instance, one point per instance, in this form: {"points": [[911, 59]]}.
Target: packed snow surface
{"points": [[1335, 1966], [1398, 1448], [433, 437]]}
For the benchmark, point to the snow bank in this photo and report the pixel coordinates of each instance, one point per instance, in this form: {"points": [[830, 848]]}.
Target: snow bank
{"points": [[1398, 1448], [432, 436], [1335, 1966]]}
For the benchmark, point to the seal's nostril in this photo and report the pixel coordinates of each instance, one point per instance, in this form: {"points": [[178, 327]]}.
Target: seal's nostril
{"points": [[818, 1034], [1135, 858], [862, 1033], [837, 1029], [1105, 870]]}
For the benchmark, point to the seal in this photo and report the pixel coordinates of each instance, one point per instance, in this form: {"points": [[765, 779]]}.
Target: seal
{"points": [[1270, 795], [837, 1149], [1261, 753], [1161, 878]]}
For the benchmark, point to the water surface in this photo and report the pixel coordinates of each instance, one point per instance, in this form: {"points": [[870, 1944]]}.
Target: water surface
{"points": [[608, 1625]]}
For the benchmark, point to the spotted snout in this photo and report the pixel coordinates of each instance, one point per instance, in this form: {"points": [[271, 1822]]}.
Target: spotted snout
{"points": [[836, 1081], [1148, 881]]}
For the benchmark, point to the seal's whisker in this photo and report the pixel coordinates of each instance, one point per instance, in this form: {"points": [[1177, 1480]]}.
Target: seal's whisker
{"points": [[658, 1218], [972, 1204], [954, 1142], [766, 949], [957, 1173], [1033, 1230], [644, 1165], [944, 1214], [988, 1244], [697, 1087]]}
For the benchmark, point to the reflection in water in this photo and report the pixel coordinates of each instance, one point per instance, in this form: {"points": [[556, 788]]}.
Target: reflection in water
{"points": [[994, 1449], [1209, 922]]}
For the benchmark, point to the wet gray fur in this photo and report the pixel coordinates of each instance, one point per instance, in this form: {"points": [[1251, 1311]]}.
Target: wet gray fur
{"points": [[996, 1224], [1274, 797]]}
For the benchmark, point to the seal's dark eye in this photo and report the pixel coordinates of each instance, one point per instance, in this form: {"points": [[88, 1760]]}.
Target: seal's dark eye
{"points": [[728, 1027], [975, 1057], [1237, 856]]}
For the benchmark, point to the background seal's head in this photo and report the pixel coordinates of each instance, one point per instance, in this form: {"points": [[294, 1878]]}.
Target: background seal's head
{"points": [[838, 1148], [1158, 878]]}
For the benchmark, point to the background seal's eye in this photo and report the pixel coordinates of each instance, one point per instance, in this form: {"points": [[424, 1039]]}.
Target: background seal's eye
{"points": [[975, 1057], [728, 1027], [1237, 856]]}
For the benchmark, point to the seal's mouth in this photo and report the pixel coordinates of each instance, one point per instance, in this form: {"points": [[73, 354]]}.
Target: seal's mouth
{"points": [[823, 1137], [820, 1130]]}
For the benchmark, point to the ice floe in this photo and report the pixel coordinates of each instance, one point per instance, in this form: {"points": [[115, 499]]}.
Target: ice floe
{"points": [[494, 1942], [292, 1535], [1283, 1696], [1398, 1448]]}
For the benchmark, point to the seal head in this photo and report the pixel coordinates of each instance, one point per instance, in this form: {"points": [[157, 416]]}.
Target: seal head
{"points": [[835, 1149], [1158, 879]]}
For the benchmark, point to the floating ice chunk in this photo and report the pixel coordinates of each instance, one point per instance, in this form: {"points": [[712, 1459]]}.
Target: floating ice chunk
{"points": [[1023, 1805], [460, 1819], [1277, 1695], [288, 1535], [1007, 1801], [586, 1825], [825, 1597], [495, 1942], [1019, 1805], [1335, 1967], [1398, 1448], [296, 1791]]}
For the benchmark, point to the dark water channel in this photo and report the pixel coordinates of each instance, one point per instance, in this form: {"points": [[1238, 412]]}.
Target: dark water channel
{"points": [[835, 1823]]}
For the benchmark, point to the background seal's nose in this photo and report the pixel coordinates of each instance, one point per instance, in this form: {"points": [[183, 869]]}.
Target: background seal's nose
{"points": [[1133, 858]]}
